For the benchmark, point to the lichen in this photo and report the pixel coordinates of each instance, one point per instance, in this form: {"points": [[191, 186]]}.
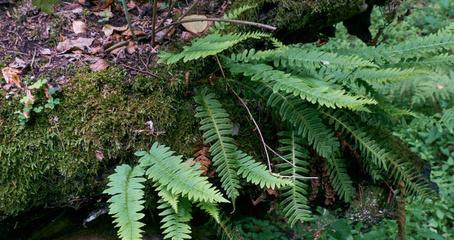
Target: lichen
{"points": [[63, 155]]}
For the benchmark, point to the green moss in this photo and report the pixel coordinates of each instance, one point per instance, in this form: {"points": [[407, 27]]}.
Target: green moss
{"points": [[53, 159]]}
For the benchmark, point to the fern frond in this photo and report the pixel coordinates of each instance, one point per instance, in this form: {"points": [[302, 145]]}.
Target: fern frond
{"points": [[378, 156], [217, 131], [448, 119], [167, 196], [303, 118], [163, 167], [340, 179], [126, 201], [307, 88], [294, 203], [233, 14], [257, 173], [209, 45], [211, 209], [175, 225]]}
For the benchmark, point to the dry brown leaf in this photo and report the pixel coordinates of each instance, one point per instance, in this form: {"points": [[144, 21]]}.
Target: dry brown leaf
{"points": [[195, 27], [79, 27], [79, 43], [128, 33], [12, 76], [18, 63], [99, 65], [102, 4], [109, 29], [132, 47]]}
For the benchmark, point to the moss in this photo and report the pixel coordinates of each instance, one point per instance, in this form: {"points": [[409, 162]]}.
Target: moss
{"points": [[53, 159]]}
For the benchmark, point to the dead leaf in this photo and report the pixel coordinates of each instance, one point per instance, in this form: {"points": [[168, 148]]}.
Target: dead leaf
{"points": [[128, 33], [79, 43], [12, 76], [132, 46], [45, 51], [195, 27], [99, 155], [99, 65], [102, 4], [18, 63], [79, 27], [131, 5], [186, 36], [109, 29]]}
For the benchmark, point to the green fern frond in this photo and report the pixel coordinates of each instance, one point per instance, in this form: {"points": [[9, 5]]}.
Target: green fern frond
{"points": [[340, 179], [209, 45], [385, 75], [211, 209], [233, 14], [217, 131], [126, 201], [257, 173], [175, 225], [168, 170], [307, 88], [448, 119], [294, 203], [167, 196], [378, 156], [303, 118]]}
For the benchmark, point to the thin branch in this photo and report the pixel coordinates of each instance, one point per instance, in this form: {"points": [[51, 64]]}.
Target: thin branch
{"points": [[154, 18], [128, 19], [255, 24], [258, 130]]}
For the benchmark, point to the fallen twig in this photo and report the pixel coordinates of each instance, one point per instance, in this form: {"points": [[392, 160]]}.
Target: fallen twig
{"points": [[255, 24]]}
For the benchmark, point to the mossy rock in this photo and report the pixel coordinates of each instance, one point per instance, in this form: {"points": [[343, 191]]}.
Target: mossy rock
{"points": [[53, 159]]}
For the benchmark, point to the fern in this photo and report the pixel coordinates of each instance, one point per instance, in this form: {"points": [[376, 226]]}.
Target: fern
{"points": [[126, 201], [233, 14], [217, 128], [163, 167], [175, 224], [378, 156], [209, 45], [256, 173], [307, 88], [294, 203]]}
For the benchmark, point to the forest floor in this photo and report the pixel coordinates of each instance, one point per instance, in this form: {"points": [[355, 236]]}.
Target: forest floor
{"points": [[35, 43]]}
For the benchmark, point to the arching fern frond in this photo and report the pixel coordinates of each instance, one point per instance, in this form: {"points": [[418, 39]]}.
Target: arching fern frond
{"points": [[294, 204], [302, 117], [175, 225], [211, 209], [126, 201], [307, 88], [257, 173], [377, 155], [168, 170], [340, 179], [217, 131], [209, 45]]}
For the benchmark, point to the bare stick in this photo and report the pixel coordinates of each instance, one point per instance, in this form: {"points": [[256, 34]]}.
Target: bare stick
{"points": [[154, 18], [255, 24], [258, 130], [128, 19]]}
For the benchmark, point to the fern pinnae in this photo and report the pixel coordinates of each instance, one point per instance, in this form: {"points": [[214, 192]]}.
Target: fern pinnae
{"points": [[307, 88], [126, 201], [295, 203], [175, 225], [217, 131], [257, 173], [168, 170]]}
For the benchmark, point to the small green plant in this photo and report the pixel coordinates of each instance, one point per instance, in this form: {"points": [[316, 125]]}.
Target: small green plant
{"points": [[33, 103], [46, 6]]}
